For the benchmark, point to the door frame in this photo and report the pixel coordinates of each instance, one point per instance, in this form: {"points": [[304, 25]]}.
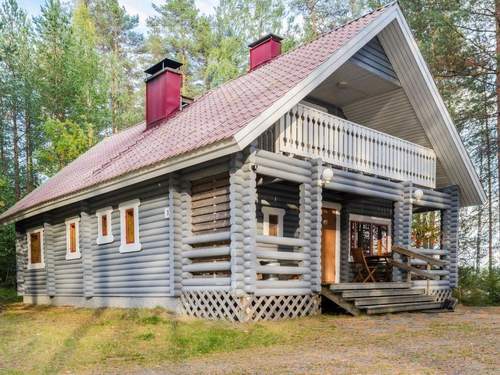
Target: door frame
{"points": [[338, 208]]}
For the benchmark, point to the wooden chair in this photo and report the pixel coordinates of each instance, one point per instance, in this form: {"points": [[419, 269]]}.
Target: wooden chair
{"points": [[364, 271]]}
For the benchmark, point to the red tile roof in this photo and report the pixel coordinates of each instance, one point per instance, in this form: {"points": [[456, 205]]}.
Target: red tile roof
{"points": [[215, 116]]}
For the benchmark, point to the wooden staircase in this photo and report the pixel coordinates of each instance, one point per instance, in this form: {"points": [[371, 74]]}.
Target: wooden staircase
{"points": [[379, 298]]}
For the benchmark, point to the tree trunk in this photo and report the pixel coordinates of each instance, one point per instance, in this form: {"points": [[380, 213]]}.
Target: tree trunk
{"points": [[487, 141], [479, 216], [497, 23], [29, 155], [3, 153], [15, 141]]}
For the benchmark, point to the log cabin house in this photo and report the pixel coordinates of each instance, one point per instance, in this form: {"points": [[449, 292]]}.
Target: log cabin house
{"points": [[264, 194]]}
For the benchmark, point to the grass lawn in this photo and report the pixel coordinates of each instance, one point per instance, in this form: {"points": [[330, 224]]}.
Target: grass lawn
{"points": [[38, 339]]}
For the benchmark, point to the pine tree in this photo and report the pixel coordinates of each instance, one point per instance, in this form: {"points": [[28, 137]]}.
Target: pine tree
{"points": [[119, 43]]}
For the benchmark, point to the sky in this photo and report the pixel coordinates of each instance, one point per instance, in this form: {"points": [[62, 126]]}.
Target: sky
{"points": [[142, 8]]}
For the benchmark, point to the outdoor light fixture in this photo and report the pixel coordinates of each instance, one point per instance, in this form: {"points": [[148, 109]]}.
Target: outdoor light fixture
{"points": [[418, 194], [327, 175], [342, 84]]}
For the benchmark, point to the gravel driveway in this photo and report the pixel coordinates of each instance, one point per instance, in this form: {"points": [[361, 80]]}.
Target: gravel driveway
{"points": [[464, 342]]}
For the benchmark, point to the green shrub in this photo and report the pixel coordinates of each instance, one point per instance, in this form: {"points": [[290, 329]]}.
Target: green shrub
{"points": [[478, 288]]}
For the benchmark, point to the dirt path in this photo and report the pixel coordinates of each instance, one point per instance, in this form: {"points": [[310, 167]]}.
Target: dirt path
{"points": [[464, 342]]}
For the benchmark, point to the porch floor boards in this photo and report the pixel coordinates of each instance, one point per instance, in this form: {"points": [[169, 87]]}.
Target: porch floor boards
{"points": [[379, 298], [361, 286]]}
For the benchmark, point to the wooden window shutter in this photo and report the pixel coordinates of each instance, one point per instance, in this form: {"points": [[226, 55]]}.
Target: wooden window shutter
{"points": [[35, 248], [129, 226], [104, 225]]}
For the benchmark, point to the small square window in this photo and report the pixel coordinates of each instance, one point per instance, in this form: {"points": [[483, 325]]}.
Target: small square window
{"points": [[129, 226], [35, 249], [273, 221], [73, 239], [104, 228]]}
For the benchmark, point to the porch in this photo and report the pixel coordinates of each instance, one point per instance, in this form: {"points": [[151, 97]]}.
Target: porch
{"points": [[254, 247]]}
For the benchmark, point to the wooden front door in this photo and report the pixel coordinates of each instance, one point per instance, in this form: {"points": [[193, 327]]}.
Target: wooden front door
{"points": [[328, 245]]}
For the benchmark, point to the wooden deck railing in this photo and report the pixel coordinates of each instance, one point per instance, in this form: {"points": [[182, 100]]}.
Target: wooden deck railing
{"points": [[417, 257], [308, 132]]}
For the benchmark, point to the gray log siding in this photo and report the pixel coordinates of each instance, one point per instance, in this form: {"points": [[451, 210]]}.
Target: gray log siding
{"points": [[144, 273], [50, 232], [249, 196], [185, 226], [305, 231], [88, 247], [450, 229], [345, 267], [171, 258], [175, 239], [21, 261], [237, 187], [68, 274]]}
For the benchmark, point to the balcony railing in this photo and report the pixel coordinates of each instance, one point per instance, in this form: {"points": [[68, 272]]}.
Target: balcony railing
{"points": [[308, 132]]}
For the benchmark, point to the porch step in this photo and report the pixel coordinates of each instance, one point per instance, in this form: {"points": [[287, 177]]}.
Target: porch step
{"points": [[353, 294], [377, 301], [379, 298], [364, 286], [401, 307]]}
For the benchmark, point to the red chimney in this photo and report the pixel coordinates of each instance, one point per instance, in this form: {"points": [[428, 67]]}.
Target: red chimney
{"points": [[264, 49], [163, 91]]}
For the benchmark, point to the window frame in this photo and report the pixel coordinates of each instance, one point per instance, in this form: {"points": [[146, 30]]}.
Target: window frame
{"points": [[371, 220], [101, 239], [77, 254], [136, 245], [268, 211], [41, 265]]}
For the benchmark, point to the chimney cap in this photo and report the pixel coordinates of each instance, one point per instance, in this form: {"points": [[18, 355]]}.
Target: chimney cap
{"points": [[163, 64], [265, 38]]}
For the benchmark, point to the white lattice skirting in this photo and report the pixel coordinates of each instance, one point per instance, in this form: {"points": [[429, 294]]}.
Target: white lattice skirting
{"points": [[440, 294], [225, 305]]}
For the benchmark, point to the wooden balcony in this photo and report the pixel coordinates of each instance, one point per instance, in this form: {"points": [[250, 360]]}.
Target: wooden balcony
{"points": [[308, 132]]}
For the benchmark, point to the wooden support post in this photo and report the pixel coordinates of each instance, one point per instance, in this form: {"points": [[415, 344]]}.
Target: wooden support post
{"points": [[403, 212]]}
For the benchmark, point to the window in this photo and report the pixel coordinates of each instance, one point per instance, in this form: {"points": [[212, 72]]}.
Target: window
{"points": [[104, 231], [73, 239], [273, 221], [372, 234], [129, 226], [35, 249]]}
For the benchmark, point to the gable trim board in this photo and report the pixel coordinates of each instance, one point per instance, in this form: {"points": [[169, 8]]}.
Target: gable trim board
{"points": [[430, 109], [464, 174]]}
